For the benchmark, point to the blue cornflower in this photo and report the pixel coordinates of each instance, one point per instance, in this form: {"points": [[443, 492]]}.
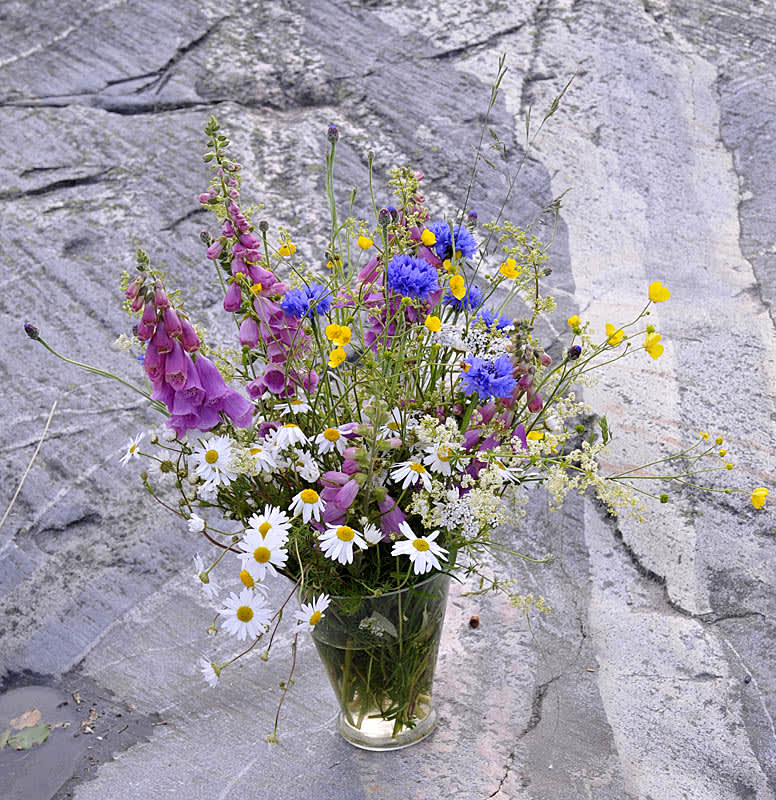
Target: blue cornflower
{"points": [[488, 378], [464, 241], [472, 299], [300, 303], [486, 315], [412, 277]]}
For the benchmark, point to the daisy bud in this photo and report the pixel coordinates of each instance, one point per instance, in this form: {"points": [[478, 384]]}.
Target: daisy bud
{"points": [[171, 323], [233, 298], [176, 367], [31, 330], [160, 296], [189, 338], [332, 134]]}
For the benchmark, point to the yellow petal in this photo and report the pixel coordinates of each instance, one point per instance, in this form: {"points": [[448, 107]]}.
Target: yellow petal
{"points": [[457, 286], [433, 323], [428, 238], [573, 321], [364, 242], [758, 497], [658, 293]]}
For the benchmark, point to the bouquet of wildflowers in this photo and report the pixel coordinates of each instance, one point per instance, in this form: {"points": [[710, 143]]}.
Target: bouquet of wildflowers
{"points": [[377, 417]]}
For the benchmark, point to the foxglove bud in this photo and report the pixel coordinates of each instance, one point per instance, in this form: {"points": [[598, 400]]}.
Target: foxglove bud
{"points": [[134, 287], [546, 359], [176, 367], [332, 134], [535, 403], [149, 315], [138, 302], [227, 229], [160, 296], [189, 338], [171, 323], [249, 332], [162, 340], [233, 298], [214, 251], [524, 383]]}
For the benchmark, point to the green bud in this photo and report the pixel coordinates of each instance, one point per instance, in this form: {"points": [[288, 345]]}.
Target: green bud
{"points": [[579, 428], [208, 157], [380, 493], [663, 498]]}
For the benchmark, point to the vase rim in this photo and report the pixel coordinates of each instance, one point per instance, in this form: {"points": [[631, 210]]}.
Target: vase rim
{"points": [[430, 578]]}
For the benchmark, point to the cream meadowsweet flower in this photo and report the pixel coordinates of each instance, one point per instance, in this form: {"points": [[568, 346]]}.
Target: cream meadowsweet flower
{"points": [[261, 554], [331, 439], [438, 458], [131, 451], [273, 521], [410, 472], [311, 614], [422, 550], [206, 582], [309, 504], [211, 461], [337, 543], [289, 435], [210, 672], [245, 614]]}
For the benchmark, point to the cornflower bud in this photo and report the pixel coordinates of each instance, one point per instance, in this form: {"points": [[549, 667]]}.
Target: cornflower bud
{"points": [[205, 237], [574, 352], [31, 330], [384, 217], [394, 213], [472, 217], [263, 225], [332, 134]]}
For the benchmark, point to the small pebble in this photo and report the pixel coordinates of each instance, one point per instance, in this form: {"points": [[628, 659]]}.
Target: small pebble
{"points": [[474, 622], [747, 679]]}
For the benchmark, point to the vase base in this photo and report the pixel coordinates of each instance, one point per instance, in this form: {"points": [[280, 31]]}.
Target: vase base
{"points": [[376, 734]]}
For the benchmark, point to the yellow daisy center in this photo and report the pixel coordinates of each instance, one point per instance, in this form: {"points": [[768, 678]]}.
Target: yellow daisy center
{"points": [[132, 448], [245, 613], [211, 456], [415, 467], [290, 425], [420, 544], [262, 554], [254, 451], [246, 578], [309, 496], [264, 528], [315, 618], [394, 426], [444, 454], [331, 434], [345, 533]]}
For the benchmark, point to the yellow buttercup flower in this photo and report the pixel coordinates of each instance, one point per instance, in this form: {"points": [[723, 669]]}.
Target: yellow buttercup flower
{"points": [[758, 497], [535, 436], [658, 293], [339, 334], [457, 287], [287, 249], [428, 238], [704, 435], [448, 265], [364, 242], [615, 336], [722, 453], [509, 268], [573, 321], [652, 345], [433, 323], [336, 357]]}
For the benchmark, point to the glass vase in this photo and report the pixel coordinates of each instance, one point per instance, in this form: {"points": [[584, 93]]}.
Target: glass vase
{"points": [[380, 654]]}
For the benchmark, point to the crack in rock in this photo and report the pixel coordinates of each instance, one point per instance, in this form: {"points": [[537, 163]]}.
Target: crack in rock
{"points": [[55, 186], [471, 46]]}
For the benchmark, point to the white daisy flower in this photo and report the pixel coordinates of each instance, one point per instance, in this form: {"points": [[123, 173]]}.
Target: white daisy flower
{"points": [[372, 533], [211, 461], [309, 504], [394, 424], [261, 554], [273, 522], [337, 543], [245, 615], [410, 472], [207, 582], [422, 550], [196, 524], [506, 473], [306, 467], [311, 614], [131, 451], [438, 458], [331, 439], [263, 456], [289, 435], [209, 673], [294, 406]]}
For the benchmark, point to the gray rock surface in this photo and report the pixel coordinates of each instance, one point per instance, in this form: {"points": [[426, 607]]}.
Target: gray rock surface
{"points": [[653, 676]]}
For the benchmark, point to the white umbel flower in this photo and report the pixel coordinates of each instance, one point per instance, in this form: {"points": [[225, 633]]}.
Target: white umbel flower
{"points": [[245, 614], [211, 461], [208, 670], [289, 435], [262, 554], [410, 472], [131, 451], [438, 458], [337, 543], [422, 550], [309, 504], [311, 614], [331, 439], [207, 582]]}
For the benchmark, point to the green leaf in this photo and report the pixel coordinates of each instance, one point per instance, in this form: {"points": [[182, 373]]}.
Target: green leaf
{"points": [[4, 738], [29, 737], [604, 426]]}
